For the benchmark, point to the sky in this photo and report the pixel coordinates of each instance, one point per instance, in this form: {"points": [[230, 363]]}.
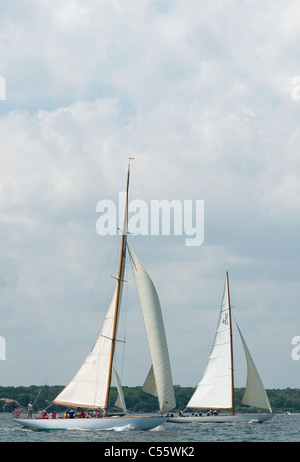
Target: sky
{"points": [[204, 96]]}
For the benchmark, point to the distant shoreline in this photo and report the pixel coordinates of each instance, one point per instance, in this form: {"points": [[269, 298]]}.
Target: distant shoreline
{"points": [[282, 400]]}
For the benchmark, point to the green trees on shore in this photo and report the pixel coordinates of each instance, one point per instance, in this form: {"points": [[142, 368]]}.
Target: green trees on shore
{"points": [[287, 399]]}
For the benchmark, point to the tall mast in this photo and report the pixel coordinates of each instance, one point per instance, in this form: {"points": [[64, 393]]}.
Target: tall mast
{"points": [[231, 346], [118, 293]]}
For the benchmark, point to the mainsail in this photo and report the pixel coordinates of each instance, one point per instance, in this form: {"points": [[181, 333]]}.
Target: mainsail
{"points": [[89, 386], [159, 380], [214, 390]]}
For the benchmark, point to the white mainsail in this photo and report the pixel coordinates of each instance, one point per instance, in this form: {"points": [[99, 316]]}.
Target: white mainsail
{"points": [[89, 386], [159, 380], [255, 393], [215, 388]]}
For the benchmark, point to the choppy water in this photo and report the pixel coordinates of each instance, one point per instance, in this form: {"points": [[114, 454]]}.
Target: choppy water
{"points": [[281, 428]]}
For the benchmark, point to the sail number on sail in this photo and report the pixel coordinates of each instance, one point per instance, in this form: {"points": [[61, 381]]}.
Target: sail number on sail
{"points": [[225, 319]]}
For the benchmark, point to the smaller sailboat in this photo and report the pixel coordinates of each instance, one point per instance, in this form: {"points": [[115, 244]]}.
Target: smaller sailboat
{"points": [[215, 390], [90, 387]]}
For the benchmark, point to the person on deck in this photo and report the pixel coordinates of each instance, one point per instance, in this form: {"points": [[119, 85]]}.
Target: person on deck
{"points": [[29, 408]]}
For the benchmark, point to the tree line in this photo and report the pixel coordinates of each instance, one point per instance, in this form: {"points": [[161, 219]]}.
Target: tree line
{"points": [[281, 400]]}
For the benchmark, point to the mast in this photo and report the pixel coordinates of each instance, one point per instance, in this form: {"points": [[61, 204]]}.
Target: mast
{"points": [[231, 346], [118, 293]]}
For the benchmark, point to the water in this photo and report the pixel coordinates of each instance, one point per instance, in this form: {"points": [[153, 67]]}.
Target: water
{"points": [[281, 428]]}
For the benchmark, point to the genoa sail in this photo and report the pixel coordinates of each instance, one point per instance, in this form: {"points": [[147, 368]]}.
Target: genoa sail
{"points": [[159, 380]]}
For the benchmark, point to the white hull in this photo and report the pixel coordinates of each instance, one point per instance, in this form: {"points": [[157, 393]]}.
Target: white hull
{"points": [[259, 418], [103, 423]]}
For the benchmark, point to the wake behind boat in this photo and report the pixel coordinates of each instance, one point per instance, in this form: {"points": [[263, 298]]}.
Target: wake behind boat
{"points": [[216, 388], [90, 388]]}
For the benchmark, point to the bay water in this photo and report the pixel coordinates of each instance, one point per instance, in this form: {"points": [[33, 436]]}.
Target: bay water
{"points": [[281, 428]]}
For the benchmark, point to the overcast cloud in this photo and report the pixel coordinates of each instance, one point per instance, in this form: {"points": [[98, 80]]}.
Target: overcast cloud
{"points": [[200, 93]]}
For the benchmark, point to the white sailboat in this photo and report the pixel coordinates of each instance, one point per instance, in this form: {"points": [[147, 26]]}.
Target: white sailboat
{"points": [[216, 388], [90, 387]]}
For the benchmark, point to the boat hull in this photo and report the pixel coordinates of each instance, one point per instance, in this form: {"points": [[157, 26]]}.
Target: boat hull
{"points": [[259, 418], [103, 423]]}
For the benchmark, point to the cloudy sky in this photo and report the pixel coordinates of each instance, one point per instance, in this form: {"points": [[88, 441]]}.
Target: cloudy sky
{"points": [[202, 95]]}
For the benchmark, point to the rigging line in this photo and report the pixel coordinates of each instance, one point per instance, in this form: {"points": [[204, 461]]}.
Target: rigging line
{"points": [[110, 338], [117, 355], [74, 297], [124, 319], [42, 388], [96, 384], [67, 314], [123, 314], [97, 303], [93, 321], [75, 323], [109, 292]]}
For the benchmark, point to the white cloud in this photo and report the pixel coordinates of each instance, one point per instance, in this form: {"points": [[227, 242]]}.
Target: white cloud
{"points": [[200, 95]]}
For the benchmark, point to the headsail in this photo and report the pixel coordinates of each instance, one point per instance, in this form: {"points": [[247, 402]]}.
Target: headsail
{"points": [[120, 402], [159, 381], [215, 388], [255, 394]]}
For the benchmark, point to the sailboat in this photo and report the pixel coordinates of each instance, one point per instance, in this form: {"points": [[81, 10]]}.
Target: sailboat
{"points": [[90, 387], [216, 388]]}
